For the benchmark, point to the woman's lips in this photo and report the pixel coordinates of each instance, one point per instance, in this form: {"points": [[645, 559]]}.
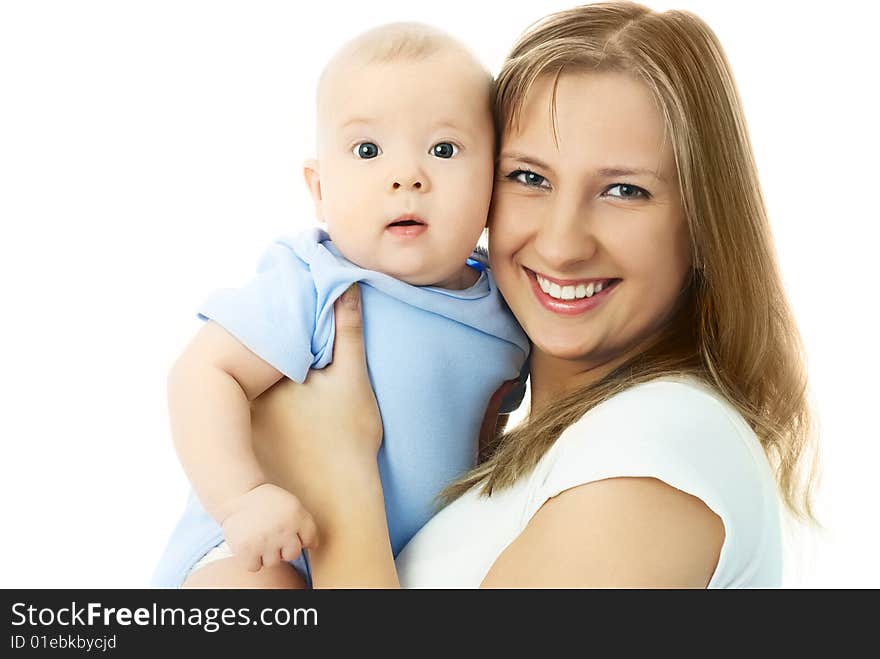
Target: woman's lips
{"points": [[575, 306]]}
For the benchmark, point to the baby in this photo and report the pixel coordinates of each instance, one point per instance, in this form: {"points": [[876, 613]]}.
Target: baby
{"points": [[402, 180]]}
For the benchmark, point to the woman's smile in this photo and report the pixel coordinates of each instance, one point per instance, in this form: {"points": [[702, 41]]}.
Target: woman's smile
{"points": [[570, 296]]}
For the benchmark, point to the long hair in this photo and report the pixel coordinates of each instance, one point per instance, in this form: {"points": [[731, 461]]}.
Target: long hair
{"points": [[734, 330]]}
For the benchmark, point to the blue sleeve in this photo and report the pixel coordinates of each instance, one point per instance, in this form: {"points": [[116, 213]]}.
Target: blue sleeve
{"points": [[273, 315]]}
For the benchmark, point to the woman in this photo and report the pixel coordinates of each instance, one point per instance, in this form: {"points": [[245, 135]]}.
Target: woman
{"points": [[668, 411]]}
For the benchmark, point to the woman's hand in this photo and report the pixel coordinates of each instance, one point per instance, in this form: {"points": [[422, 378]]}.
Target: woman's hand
{"points": [[319, 440], [306, 436]]}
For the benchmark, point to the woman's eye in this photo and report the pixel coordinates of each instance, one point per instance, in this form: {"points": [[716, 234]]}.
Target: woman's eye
{"points": [[528, 178], [444, 150], [626, 191], [366, 150]]}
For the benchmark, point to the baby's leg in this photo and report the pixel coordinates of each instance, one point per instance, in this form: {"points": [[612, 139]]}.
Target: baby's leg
{"points": [[227, 573], [219, 569]]}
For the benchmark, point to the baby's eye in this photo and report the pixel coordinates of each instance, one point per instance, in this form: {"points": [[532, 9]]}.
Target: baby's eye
{"points": [[529, 178], [626, 191], [366, 150], [444, 150]]}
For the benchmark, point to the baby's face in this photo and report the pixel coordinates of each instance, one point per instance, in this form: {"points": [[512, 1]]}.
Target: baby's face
{"points": [[406, 159]]}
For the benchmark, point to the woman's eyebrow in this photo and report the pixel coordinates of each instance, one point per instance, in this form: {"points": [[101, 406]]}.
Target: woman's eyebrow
{"points": [[611, 172], [528, 160]]}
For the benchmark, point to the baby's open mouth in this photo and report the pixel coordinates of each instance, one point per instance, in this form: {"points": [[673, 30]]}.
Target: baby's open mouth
{"points": [[407, 220], [406, 227]]}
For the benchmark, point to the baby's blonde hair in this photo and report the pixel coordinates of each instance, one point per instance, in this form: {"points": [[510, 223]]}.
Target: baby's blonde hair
{"points": [[399, 42]]}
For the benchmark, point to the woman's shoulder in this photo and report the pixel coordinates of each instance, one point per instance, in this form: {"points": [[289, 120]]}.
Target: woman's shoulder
{"points": [[676, 392], [669, 411], [682, 432], [675, 424]]}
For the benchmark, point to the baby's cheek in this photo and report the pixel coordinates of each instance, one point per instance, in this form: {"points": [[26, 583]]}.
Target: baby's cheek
{"points": [[477, 195]]}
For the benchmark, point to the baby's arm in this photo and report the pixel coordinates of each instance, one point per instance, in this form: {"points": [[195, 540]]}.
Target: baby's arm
{"points": [[209, 392]]}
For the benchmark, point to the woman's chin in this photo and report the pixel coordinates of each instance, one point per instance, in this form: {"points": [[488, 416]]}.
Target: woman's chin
{"points": [[565, 347]]}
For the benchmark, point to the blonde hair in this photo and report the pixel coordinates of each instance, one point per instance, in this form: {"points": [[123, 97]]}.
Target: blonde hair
{"points": [[734, 330], [395, 42]]}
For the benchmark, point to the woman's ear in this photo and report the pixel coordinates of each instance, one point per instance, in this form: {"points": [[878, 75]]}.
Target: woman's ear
{"points": [[313, 182]]}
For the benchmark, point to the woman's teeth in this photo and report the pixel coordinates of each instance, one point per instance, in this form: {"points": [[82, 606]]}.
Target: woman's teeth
{"points": [[570, 292]]}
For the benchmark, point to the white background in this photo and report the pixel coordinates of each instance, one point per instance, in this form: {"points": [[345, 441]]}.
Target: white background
{"points": [[150, 150]]}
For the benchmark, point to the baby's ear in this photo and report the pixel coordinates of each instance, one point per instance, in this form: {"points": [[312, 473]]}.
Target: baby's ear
{"points": [[313, 183]]}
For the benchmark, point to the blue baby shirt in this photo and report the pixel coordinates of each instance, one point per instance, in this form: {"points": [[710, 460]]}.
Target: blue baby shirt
{"points": [[434, 356]]}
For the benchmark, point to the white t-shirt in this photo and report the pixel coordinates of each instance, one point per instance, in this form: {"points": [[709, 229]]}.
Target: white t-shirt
{"points": [[677, 430]]}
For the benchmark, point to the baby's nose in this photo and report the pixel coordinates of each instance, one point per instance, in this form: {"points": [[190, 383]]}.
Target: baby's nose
{"points": [[404, 182]]}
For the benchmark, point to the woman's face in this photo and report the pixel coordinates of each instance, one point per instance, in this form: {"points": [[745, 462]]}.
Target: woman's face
{"points": [[599, 210]]}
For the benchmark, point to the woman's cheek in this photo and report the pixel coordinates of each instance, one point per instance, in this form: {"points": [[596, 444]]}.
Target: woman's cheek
{"points": [[502, 212]]}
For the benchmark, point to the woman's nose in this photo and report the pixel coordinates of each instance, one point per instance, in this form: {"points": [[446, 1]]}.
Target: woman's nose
{"points": [[565, 238]]}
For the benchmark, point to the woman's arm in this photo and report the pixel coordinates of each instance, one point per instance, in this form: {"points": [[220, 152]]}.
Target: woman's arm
{"points": [[355, 550], [344, 496], [614, 533]]}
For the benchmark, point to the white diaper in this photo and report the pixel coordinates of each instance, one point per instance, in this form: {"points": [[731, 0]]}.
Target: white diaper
{"points": [[223, 551], [220, 551]]}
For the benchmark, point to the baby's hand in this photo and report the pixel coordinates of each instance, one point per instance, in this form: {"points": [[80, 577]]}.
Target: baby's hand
{"points": [[267, 525]]}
